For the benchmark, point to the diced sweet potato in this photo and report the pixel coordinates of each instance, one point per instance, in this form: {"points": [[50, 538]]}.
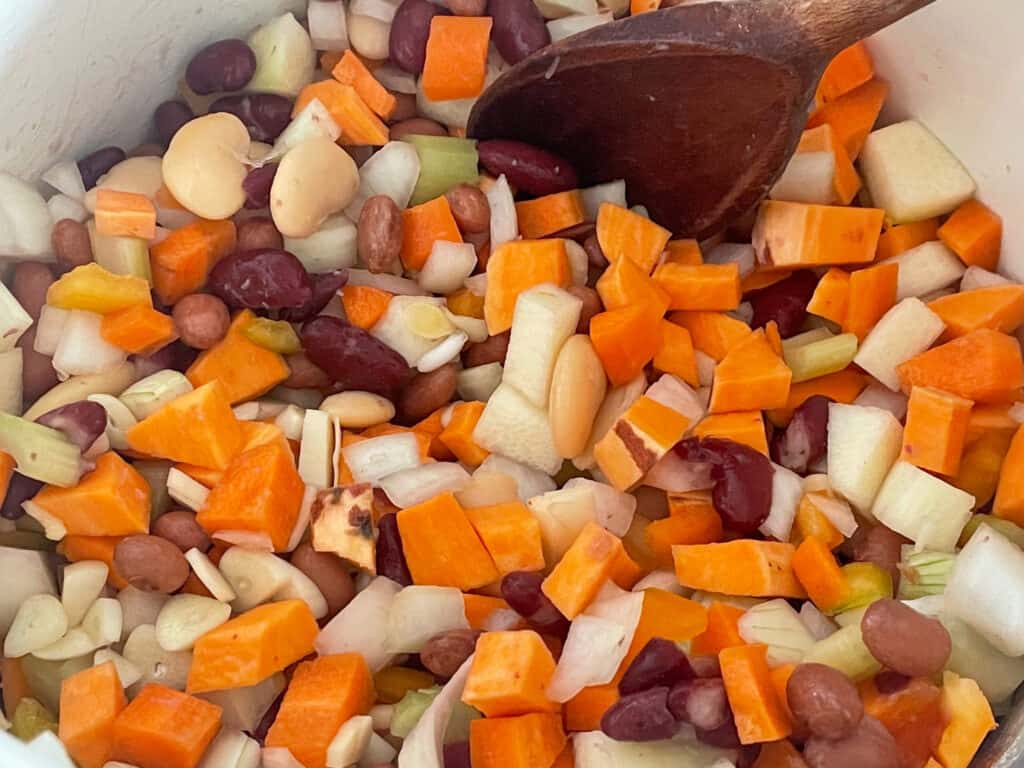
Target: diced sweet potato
{"points": [[750, 377], [767, 569], [511, 535], [90, 701], [164, 728], [642, 436], [509, 675], [578, 576], [529, 741]]}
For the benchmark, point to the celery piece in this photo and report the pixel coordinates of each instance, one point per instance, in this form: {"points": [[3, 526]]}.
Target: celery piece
{"points": [[155, 474], [147, 396], [924, 573], [805, 338], [444, 162], [845, 650], [120, 255], [866, 583], [852, 616], [30, 719], [822, 357], [40, 452], [410, 709], [1009, 529]]}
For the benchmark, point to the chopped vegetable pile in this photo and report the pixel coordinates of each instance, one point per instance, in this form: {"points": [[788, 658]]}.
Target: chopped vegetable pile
{"points": [[330, 437]]}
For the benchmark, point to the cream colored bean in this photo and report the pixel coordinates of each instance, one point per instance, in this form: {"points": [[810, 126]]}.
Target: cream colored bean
{"points": [[205, 165], [578, 387], [314, 180], [359, 410], [369, 36], [141, 175]]}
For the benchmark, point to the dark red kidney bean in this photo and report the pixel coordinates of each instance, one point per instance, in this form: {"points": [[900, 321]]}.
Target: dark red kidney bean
{"points": [[409, 32], [177, 356], [805, 439], [824, 700], [904, 640], [325, 286], [390, 556], [37, 372], [785, 302], [94, 165], [724, 737], [29, 285], [640, 716], [169, 117], [226, 65], [706, 666], [743, 480], [353, 358], [81, 422], [257, 184], [881, 546], [263, 280], [659, 663], [522, 591], [702, 702], [531, 169], [869, 745], [19, 490], [889, 682], [519, 29], [264, 114], [457, 755], [492, 350]]}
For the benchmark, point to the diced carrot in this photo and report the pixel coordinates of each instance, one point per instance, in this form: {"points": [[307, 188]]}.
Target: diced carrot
{"points": [[713, 333], [583, 712], [431, 426], [623, 284], [759, 715], [323, 695], [164, 728], [676, 355], [984, 366], [626, 572], [780, 754], [139, 330], [620, 232], [1009, 503], [981, 465], [101, 548], [780, 680], [845, 181], [90, 701], [841, 387], [974, 232], [762, 277], [986, 419], [969, 721], [565, 759], [515, 267], [771, 333], [364, 305], [819, 573], [998, 308], [625, 340], [511, 534], [458, 435], [638, 440], [528, 741], [832, 296], [112, 500], [124, 214], [872, 294], [422, 225], [261, 492], [257, 433], [903, 237], [456, 62], [767, 568], [547, 215], [746, 427], [509, 674], [480, 608], [350, 70], [245, 369], [441, 546], [7, 465], [811, 521], [913, 715], [196, 428], [182, 262], [359, 125], [202, 475], [392, 683], [683, 252], [723, 630], [696, 525], [936, 430], [668, 616], [806, 235], [850, 69], [584, 568], [707, 287], [251, 647], [750, 377], [853, 115]]}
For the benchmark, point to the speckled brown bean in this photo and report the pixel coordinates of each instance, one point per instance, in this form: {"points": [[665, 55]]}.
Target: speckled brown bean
{"points": [[380, 234], [869, 745], [445, 653], [426, 392], [879, 545], [151, 563], [201, 319], [591, 305], [179, 527], [258, 233], [491, 350], [405, 108], [904, 640], [468, 7], [71, 244], [29, 285], [37, 373], [416, 126], [305, 374], [470, 208], [824, 700], [328, 572]]}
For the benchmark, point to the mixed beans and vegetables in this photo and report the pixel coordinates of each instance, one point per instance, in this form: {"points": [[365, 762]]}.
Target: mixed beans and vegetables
{"points": [[330, 437]]}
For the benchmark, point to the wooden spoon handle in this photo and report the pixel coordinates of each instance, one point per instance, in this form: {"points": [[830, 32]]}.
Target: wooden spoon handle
{"points": [[831, 25]]}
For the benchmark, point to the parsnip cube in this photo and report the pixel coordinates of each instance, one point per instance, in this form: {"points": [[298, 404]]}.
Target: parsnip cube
{"points": [[911, 174], [925, 509], [514, 427], [644, 434], [863, 444], [544, 318], [906, 330], [927, 268]]}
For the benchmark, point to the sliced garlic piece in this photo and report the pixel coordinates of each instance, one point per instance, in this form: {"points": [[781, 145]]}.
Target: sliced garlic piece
{"points": [[210, 575], [128, 673], [104, 622], [185, 618], [39, 622], [74, 644], [83, 583]]}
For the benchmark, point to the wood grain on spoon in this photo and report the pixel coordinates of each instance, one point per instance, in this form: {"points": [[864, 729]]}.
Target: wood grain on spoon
{"points": [[698, 106]]}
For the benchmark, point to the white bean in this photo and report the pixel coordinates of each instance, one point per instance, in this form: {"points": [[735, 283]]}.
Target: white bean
{"points": [[205, 165], [314, 180], [359, 410]]}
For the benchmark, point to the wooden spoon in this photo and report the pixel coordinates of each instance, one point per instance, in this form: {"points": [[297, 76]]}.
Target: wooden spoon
{"points": [[698, 107]]}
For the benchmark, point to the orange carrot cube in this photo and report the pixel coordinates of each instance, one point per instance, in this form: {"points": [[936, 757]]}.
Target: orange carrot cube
{"points": [[529, 741], [853, 115], [806, 235], [638, 440], [706, 287], [584, 568], [456, 63], [713, 333], [676, 355], [458, 435], [841, 387], [746, 427], [124, 214], [422, 225], [723, 630], [515, 267], [359, 125], [76, 548], [767, 568], [90, 701], [182, 262], [936, 430], [902, 237], [831, 296], [683, 252], [974, 232], [668, 616], [481, 608], [549, 214], [697, 524], [623, 284], [997, 308], [139, 330], [750, 377], [819, 573], [509, 674], [984, 366], [1009, 503], [811, 521], [872, 294], [760, 716], [625, 340], [164, 728], [623, 233], [851, 68], [350, 70], [511, 534], [583, 712], [364, 305]]}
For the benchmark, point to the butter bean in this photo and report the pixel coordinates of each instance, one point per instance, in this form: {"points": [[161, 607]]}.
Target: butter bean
{"points": [[578, 386], [314, 180], [204, 165]]}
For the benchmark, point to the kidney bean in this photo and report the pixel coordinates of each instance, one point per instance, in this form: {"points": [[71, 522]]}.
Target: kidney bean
{"points": [[706, 666], [443, 654], [519, 29], [492, 350], [785, 302], [353, 358], [266, 115], [262, 280], [258, 233], [96, 164], [824, 700], [176, 356], [457, 755], [701, 702], [869, 745], [325, 287], [889, 682], [304, 374], [743, 480], [179, 527], [226, 65], [256, 185], [659, 663], [37, 373], [881, 546], [29, 284], [380, 234], [390, 556], [468, 7], [409, 32], [592, 306], [169, 117], [595, 255], [328, 572], [201, 320], [151, 563], [416, 126], [81, 422], [805, 439], [533, 170], [426, 392], [470, 208], [405, 109], [19, 490], [904, 640], [522, 592], [640, 716], [71, 244]]}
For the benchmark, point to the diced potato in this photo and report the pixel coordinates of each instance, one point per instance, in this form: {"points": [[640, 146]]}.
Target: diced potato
{"points": [[927, 268], [514, 427], [906, 330], [863, 443]]}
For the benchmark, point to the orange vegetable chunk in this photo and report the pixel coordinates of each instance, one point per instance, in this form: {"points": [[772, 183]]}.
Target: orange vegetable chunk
{"points": [[998, 308], [683, 252], [584, 568], [124, 214], [480, 608], [101, 548], [723, 630], [625, 340], [529, 741], [509, 674], [706, 287], [831, 296], [456, 63], [913, 715], [549, 214], [622, 233], [811, 521], [845, 181], [90, 701], [851, 68], [1009, 503], [819, 573], [511, 534], [359, 125], [7, 464], [458, 435], [583, 712], [364, 305], [936, 430], [697, 524], [666, 615], [750, 377], [713, 333], [638, 440], [969, 719], [515, 267], [872, 294], [182, 262], [902, 237], [140, 330], [842, 387], [984, 366], [780, 754], [164, 728], [974, 232], [760, 716], [422, 225], [623, 284], [675, 354], [767, 568], [350, 70], [853, 115], [807, 235]]}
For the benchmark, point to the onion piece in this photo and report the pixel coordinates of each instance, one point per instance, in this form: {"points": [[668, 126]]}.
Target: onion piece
{"points": [[64, 207], [663, 580], [400, 286], [613, 192], [502, 620], [614, 510], [447, 267], [49, 329], [979, 277], [787, 491], [305, 513], [559, 29], [778, 626], [393, 171], [837, 511], [674, 474], [25, 221], [674, 393], [374, 459], [878, 396], [477, 284], [419, 484], [418, 613], [530, 482], [278, 757], [423, 747], [327, 25], [504, 220], [82, 348], [443, 353], [362, 625], [66, 179], [395, 80], [817, 623]]}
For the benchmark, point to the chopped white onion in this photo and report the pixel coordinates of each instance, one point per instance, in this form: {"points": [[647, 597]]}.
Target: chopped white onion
{"points": [[82, 348], [778, 626], [474, 327], [530, 482], [878, 396], [414, 486], [383, 10], [817, 623], [361, 626], [666, 581], [613, 509], [25, 221], [423, 747], [333, 246], [400, 286], [66, 179], [837, 511], [477, 284], [560, 29], [327, 27], [613, 192], [674, 474], [395, 80], [979, 277], [443, 353], [64, 207], [419, 613], [393, 171], [448, 265], [787, 490], [504, 221], [50, 329], [741, 254], [503, 620], [278, 757], [374, 459], [312, 122]]}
